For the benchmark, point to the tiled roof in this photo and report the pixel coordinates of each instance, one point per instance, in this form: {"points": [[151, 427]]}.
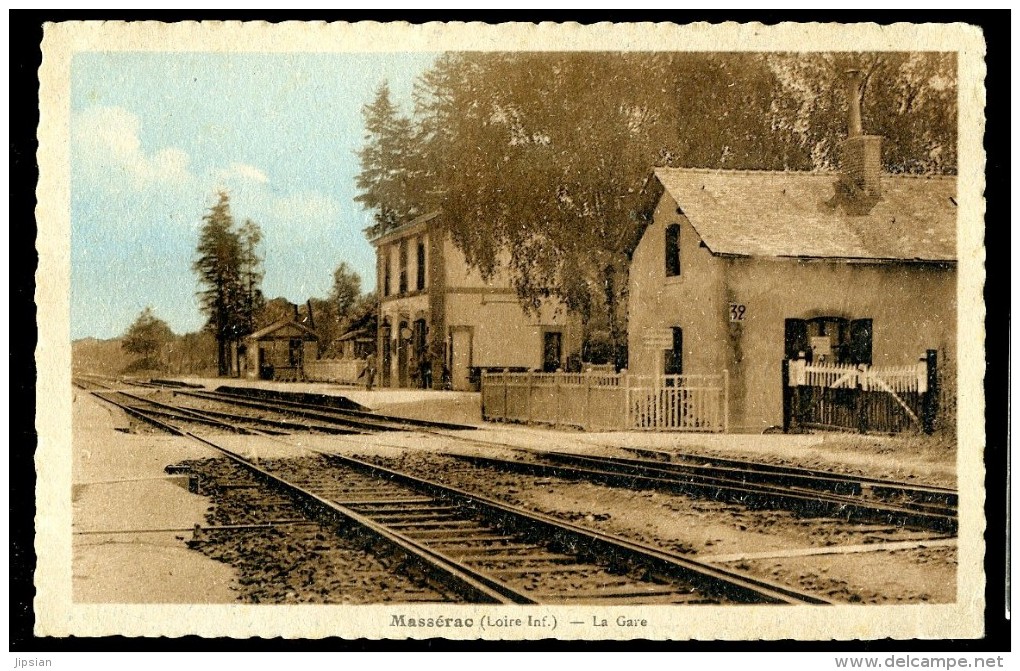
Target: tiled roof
{"points": [[795, 214], [279, 324]]}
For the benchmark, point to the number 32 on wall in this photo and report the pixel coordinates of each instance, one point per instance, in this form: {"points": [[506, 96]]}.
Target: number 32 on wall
{"points": [[737, 312]]}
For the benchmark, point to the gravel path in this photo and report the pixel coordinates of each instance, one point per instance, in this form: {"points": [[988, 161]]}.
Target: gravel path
{"points": [[294, 563]]}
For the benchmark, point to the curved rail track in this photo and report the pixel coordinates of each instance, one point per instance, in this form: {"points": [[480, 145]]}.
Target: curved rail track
{"points": [[480, 549], [751, 483]]}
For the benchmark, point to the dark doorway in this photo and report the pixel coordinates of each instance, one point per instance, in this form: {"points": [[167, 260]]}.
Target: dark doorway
{"points": [[387, 354], [834, 340], [552, 351], [796, 338], [295, 353], [420, 355], [674, 358]]}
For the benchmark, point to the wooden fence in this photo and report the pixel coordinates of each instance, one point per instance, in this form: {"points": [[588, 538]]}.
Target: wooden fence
{"points": [[608, 401], [339, 371], [848, 397]]}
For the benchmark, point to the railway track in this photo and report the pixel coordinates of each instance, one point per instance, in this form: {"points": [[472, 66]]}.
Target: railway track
{"points": [[749, 488], [796, 476], [810, 492], [483, 550]]}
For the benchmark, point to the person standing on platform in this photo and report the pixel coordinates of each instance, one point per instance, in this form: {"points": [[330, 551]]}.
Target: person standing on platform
{"points": [[369, 372]]}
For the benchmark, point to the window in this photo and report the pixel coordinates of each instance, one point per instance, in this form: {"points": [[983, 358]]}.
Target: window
{"points": [[552, 351], [674, 358], [420, 284], [673, 250], [295, 353], [403, 266], [387, 273], [830, 340]]}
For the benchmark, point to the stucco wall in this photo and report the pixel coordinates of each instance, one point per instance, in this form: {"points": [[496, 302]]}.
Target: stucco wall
{"points": [[913, 308], [459, 275], [690, 301], [504, 335]]}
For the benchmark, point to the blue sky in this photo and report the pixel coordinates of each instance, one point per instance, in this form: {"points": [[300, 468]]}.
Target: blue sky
{"points": [[155, 135]]}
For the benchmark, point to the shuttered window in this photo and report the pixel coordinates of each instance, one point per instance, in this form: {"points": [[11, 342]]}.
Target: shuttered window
{"points": [[420, 283], [796, 338], [403, 266], [674, 364], [673, 250], [860, 341]]}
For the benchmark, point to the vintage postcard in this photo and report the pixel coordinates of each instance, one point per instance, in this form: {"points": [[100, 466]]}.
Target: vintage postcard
{"points": [[471, 331]]}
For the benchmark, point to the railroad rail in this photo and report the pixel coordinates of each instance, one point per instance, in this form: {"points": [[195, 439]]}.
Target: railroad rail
{"points": [[799, 476], [747, 488], [750, 483], [488, 551]]}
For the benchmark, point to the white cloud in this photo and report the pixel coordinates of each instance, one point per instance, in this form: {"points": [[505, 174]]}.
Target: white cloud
{"points": [[242, 171], [107, 152]]}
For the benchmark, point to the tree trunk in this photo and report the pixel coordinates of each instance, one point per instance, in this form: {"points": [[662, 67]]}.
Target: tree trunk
{"points": [[222, 356], [611, 303]]}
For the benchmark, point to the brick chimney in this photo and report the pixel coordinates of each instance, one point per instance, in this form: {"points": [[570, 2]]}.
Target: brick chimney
{"points": [[860, 156]]}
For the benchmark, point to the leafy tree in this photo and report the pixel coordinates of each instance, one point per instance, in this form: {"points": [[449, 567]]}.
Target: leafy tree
{"points": [[274, 310], [552, 162], [229, 271], [194, 353], [549, 155], [909, 99], [346, 289], [146, 337], [389, 165]]}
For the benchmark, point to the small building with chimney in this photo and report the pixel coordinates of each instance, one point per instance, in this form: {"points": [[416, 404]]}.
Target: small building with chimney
{"points": [[739, 270], [279, 351], [441, 324]]}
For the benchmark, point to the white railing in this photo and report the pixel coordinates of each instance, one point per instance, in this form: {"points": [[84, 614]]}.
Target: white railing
{"points": [[896, 379], [594, 401], [339, 371]]}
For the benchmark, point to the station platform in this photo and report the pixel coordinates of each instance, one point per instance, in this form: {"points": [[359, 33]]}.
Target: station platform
{"points": [[458, 407], [130, 518]]}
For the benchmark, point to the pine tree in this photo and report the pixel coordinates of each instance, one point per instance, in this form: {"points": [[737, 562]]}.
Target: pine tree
{"points": [[249, 236], [219, 267], [389, 165]]}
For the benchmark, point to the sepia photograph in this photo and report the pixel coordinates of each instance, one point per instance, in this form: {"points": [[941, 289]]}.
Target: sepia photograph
{"points": [[511, 331]]}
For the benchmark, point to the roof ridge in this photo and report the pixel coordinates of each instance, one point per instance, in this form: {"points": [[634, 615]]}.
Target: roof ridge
{"points": [[812, 173]]}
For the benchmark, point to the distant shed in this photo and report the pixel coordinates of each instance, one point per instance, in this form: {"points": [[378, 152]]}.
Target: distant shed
{"points": [[357, 344], [279, 351]]}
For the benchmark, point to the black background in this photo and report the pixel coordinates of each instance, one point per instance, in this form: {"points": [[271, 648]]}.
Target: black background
{"points": [[25, 32]]}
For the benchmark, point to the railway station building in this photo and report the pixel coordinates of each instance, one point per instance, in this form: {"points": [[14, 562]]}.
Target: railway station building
{"points": [[441, 323], [739, 270]]}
